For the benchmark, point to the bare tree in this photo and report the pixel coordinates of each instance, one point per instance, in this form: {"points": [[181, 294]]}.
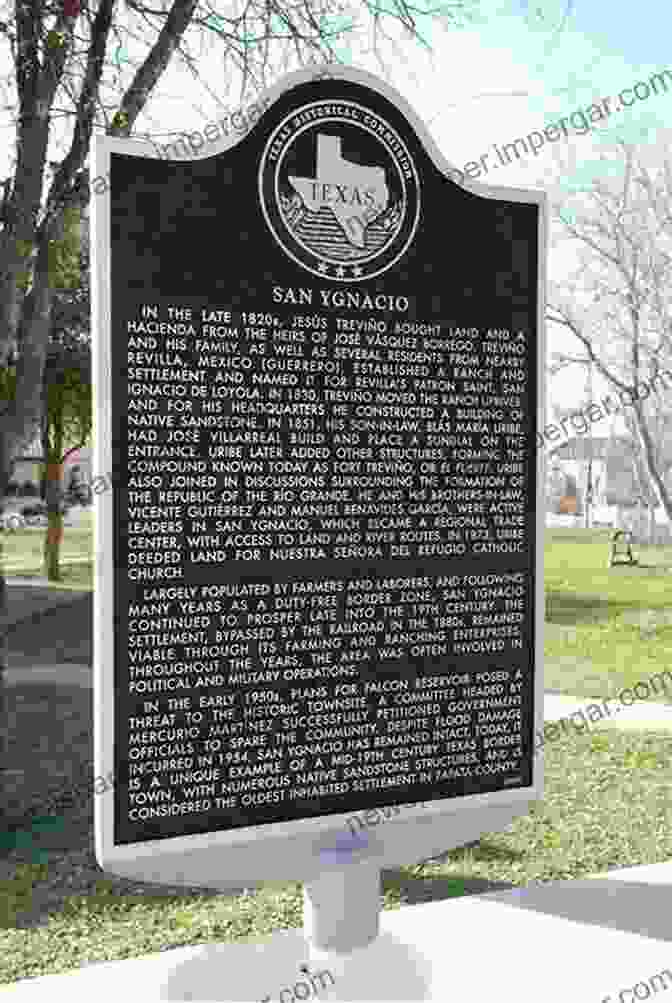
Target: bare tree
{"points": [[616, 304], [65, 71], [65, 76]]}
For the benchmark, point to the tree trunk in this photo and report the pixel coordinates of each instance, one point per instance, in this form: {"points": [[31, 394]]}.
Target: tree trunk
{"points": [[21, 416], [5, 473], [11, 298], [52, 542], [4, 715], [651, 464], [588, 496]]}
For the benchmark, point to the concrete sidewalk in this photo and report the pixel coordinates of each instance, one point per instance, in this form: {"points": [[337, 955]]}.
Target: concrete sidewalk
{"points": [[67, 674], [642, 714], [593, 940], [30, 598]]}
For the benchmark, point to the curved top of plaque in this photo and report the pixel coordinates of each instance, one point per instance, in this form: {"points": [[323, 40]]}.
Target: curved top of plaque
{"points": [[305, 87], [346, 175]]}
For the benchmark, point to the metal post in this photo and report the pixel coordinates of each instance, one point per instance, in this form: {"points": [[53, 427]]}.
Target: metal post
{"points": [[341, 907]]}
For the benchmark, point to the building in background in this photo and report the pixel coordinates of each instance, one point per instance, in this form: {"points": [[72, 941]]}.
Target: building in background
{"points": [[26, 479], [605, 470]]}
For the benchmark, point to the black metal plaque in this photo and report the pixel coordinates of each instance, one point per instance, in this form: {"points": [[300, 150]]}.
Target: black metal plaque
{"points": [[324, 408]]}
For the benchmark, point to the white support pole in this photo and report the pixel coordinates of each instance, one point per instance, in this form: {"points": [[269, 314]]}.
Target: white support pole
{"points": [[341, 908], [341, 922]]}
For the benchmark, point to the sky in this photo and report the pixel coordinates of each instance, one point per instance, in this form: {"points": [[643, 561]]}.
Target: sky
{"points": [[505, 75]]}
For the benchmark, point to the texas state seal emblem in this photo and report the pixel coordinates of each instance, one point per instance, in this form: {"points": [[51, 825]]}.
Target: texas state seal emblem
{"points": [[339, 191]]}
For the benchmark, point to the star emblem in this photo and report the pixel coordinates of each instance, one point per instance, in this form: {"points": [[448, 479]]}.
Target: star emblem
{"points": [[322, 267], [340, 271], [356, 271]]}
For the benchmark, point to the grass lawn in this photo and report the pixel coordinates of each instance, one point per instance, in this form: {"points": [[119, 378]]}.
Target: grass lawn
{"points": [[606, 629], [21, 554], [591, 779]]}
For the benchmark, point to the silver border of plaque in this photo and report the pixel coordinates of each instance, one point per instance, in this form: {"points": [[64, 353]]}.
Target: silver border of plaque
{"points": [[279, 850]]}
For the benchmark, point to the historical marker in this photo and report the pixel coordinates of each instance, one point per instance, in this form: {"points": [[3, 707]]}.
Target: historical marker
{"points": [[323, 403]]}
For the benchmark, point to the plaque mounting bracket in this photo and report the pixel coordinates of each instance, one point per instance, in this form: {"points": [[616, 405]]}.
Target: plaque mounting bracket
{"points": [[341, 906]]}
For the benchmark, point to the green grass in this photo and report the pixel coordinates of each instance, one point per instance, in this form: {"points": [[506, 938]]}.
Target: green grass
{"points": [[606, 628], [591, 779], [21, 554]]}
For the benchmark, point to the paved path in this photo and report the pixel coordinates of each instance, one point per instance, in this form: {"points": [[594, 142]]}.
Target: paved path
{"points": [[641, 714], [29, 598], [64, 634]]}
